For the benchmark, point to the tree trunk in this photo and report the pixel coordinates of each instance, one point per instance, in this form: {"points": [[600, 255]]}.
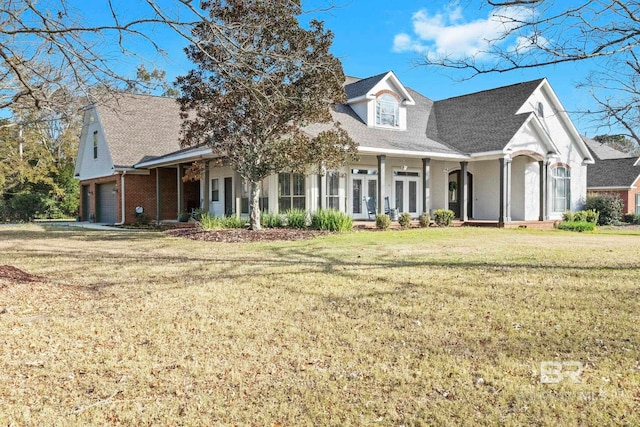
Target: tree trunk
{"points": [[254, 206]]}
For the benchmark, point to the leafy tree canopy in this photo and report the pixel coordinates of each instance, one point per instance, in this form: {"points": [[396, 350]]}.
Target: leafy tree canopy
{"points": [[260, 79]]}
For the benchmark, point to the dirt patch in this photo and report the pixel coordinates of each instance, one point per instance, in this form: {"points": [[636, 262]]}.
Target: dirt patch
{"points": [[238, 235], [10, 274]]}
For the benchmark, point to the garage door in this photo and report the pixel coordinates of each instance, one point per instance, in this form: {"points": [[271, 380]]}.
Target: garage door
{"points": [[106, 203]]}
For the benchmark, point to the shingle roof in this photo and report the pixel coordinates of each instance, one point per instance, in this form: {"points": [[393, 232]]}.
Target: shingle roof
{"points": [[413, 139], [482, 121], [613, 173], [361, 87], [138, 127], [602, 151]]}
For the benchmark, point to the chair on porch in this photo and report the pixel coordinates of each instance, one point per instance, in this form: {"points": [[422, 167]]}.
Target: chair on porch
{"points": [[370, 204]]}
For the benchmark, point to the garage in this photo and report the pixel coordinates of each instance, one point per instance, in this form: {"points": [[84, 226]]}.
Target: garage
{"points": [[106, 203]]}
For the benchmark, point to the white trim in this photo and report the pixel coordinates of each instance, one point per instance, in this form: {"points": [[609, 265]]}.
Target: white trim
{"points": [[611, 188], [167, 160], [416, 154], [637, 163], [537, 125]]}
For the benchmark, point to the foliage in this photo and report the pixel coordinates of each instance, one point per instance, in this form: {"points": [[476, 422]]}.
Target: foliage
{"points": [[142, 219], [424, 220], [632, 218], [331, 220], [579, 226], [26, 206], [609, 207], [620, 143], [602, 35], [589, 215], [404, 219], [257, 84], [443, 217], [270, 220], [383, 221], [296, 218], [209, 222]]}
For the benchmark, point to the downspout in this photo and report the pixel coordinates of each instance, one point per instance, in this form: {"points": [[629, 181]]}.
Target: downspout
{"points": [[122, 210]]}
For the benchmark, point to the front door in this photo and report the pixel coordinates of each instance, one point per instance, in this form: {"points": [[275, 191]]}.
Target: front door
{"points": [[454, 193], [364, 196], [228, 196], [405, 192]]}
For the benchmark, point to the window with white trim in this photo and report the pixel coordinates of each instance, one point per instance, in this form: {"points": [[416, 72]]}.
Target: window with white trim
{"points": [[638, 203], [215, 190], [561, 189], [95, 144], [387, 111], [291, 191], [333, 187]]}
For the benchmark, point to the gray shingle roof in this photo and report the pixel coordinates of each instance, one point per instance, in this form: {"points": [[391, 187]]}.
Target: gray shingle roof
{"points": [[612, 173], [482, 121], [413, 139], [361, 87], [138, 127], [602, 151]]}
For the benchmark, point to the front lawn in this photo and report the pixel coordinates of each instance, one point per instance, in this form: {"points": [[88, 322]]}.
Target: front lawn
{"points": [[415, 327]]}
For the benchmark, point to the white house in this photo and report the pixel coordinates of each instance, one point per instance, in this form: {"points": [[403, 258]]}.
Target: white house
{"points": [[502, 155]]}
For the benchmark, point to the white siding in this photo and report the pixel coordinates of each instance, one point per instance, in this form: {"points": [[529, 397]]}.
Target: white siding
{"points": [[89, 167]]}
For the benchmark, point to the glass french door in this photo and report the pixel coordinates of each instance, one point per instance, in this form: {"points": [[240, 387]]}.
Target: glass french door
{"points": [[364, 196], [405, 190]]}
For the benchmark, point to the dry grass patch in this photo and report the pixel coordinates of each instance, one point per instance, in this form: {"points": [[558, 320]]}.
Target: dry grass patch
{"points": [[416, 327]]}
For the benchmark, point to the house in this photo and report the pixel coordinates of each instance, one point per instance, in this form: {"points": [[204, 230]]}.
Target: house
{"points": [[500, 155], [614, 172]]}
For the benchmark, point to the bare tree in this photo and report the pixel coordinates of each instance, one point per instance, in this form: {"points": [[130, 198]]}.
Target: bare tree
{"points": [[537, 33]]}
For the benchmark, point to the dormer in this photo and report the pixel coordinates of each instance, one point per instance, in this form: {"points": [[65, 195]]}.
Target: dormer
{"points": [[380, 101]]}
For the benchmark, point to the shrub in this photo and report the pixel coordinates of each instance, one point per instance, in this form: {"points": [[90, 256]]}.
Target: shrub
{"points": [[405, 219], [142, 219], [568, 216], [608, 206], [269, 220], [580, 216], [591, 216], [579, 226], [209, 222], [331, 220], [382, 221], [443, 217], [296, 218], [632, 218], [424, 219], [25, 206]]}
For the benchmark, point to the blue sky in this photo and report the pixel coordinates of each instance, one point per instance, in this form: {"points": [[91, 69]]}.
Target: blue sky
{"points": [[373, 36]]}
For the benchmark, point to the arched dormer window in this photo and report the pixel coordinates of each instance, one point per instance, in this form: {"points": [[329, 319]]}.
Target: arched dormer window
{"points": [[387, 111]]}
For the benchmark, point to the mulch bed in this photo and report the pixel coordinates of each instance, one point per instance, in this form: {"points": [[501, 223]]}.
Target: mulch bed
{"points": [[239, 235], [12, 274]]}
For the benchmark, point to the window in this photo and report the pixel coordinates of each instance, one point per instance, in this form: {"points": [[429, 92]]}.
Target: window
{"points": [[291, 191], [638, 203], [561, 189], [333, 186], [215, 190], [387, 110], [95, 144], [540, 110]]}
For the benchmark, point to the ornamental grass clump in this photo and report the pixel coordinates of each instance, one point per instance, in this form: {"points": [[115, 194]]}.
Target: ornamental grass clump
{"points": [[269, 220], [296, 218], [331, 220]]}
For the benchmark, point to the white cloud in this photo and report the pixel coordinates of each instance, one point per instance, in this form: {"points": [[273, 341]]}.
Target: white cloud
{"points": [[446, 33]]}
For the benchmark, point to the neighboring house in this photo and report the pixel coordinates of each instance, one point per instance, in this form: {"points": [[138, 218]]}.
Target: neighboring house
{"points": [[614, 172], [501, 155]]}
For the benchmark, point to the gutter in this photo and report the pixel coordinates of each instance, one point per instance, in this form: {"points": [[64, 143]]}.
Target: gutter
{"points": [[122, 209]]}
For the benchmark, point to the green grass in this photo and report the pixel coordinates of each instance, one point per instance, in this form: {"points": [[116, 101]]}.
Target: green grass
{"points": [[438, 326]]}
